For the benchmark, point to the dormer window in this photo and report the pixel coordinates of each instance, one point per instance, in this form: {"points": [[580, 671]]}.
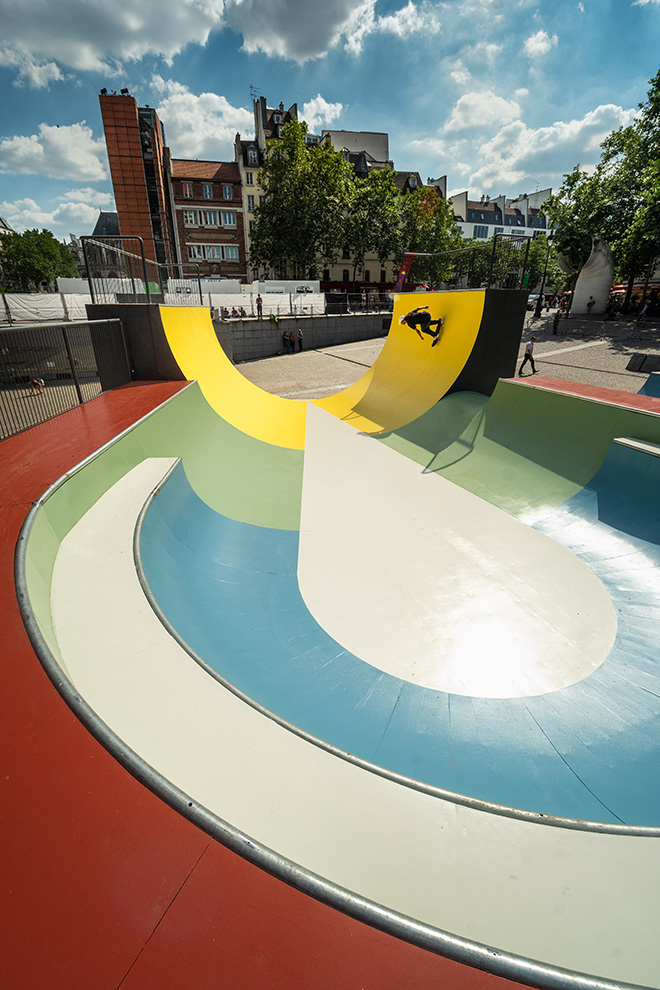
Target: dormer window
{"points": [[252, 156], [412, 182], [277, 118]]}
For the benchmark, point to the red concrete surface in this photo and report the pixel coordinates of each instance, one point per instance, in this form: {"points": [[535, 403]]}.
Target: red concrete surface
{"points": [[103, 885], [613, 397]]}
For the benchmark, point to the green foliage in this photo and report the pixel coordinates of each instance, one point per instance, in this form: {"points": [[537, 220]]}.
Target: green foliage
{"points": [[300, 223], [35, 259], [314, 206], [620, 201]]}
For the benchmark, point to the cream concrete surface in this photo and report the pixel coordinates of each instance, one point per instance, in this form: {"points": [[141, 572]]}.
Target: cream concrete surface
{"points": [[587, 902]]}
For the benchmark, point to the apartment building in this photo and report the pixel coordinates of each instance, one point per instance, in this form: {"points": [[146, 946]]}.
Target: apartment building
{"points": [[484, 217], [208, 200]]}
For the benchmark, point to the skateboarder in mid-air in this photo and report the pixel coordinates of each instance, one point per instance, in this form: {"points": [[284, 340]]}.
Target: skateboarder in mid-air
{"points": [[420, 321]]}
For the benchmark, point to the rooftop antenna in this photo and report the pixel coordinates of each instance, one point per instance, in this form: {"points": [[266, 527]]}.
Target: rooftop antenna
{"points": [[254, 93]]}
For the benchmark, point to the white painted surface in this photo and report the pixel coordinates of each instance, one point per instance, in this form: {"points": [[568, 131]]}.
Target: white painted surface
{"points": [[430, 583], [584, 901]]}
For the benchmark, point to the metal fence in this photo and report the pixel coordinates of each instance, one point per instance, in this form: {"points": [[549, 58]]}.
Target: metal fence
{"points": [[48, 369], [119, 271], [501, 264]]}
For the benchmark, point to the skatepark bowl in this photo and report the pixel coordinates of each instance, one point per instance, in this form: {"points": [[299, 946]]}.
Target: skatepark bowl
{"points": [[353, 692]]}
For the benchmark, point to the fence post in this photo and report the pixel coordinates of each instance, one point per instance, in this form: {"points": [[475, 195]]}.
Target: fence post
{"points": [[74, 373]]}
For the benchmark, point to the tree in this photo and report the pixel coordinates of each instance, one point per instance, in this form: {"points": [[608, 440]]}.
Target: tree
{"points": [[34, 259], [620, 201], [371, 217], [300, 224], [426, 225]]}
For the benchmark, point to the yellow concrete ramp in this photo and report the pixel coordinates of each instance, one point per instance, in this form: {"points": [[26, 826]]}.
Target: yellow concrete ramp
{"points": [[408, 377]]}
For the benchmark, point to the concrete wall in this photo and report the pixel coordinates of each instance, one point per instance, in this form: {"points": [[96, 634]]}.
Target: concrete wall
{"points": [[247, 340]]}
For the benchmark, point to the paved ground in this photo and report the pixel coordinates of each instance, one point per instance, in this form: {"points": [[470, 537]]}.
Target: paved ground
{"points": [[587, 351]]}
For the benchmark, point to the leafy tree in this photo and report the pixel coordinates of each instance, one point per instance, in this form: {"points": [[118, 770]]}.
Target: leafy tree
{"points": [[426, 225], [620, 201], [371, 218], [34, 259], [299, 226]]}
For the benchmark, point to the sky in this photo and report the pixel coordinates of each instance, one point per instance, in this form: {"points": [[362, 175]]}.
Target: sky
{"points": [[502, 96]]}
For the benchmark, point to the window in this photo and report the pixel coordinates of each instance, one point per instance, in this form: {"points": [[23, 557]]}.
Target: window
{"points": [[187, 190], [252, 156], [346, 253], [383, 275], [326, 274], [367, 275], [412, 182], [209, 217], [251, 204], [261, 200], [231, 252], [195, 252], [249, 179], [228, 218], [499, 230], [207, 190], [191, 218], [252, 225], [480, 230], [345, 275], [227, 192], [277, 118], [213, 251]]}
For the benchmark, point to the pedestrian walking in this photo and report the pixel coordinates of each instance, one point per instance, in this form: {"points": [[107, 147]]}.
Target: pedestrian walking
{"points": [[529, 356]]}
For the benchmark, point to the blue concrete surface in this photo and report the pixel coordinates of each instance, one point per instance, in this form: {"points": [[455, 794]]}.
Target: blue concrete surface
{"points": [[589, 751]]}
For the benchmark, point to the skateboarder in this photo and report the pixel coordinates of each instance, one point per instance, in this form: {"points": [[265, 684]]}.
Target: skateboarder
{"points": [[420, 321]]}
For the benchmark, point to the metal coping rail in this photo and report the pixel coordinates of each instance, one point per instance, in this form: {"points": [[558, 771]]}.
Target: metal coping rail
{"points": [[463, 950]]}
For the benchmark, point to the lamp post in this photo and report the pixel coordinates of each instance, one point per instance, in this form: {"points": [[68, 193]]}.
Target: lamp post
{"points": [[539, 301]]}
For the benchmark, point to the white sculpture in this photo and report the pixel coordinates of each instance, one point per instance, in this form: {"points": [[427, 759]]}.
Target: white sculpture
{"points": [[594, 280]]}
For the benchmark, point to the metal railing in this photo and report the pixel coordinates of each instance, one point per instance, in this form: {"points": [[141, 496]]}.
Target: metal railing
{"points": [[117, 275], [49, 369], [502, 264]]}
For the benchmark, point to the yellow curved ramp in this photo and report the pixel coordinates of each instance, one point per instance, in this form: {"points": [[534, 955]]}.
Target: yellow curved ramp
{"points": [[408, 377], [200, 357]]}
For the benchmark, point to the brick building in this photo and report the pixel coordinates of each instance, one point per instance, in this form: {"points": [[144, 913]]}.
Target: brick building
{"points": [[208, 199], [140, 168]]}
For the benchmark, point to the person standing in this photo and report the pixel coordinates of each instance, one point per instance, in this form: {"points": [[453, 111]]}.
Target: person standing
{"points": [[529, 356], [285, 342], [292, 342], [300, 339], [260, 307]]}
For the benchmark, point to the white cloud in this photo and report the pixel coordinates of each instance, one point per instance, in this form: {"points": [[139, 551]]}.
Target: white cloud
{"points": [[319, 113], [98, 32], [203, 126], [304, 29], [63, 219], [31, 73], [482, 110], [643, 3], [67, 152], [459, 73], [539, 44], [93, 197], [519, 154]]}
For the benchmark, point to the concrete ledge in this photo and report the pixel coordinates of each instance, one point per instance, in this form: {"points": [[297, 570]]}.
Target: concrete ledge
{"points": [[248, 340]]}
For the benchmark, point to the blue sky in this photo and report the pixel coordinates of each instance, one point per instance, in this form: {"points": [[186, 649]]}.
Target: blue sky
{"points": [[502, 96]]}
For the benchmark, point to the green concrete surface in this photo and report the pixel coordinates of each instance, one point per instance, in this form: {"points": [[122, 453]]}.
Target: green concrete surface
{"points": [[524, 448]]}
